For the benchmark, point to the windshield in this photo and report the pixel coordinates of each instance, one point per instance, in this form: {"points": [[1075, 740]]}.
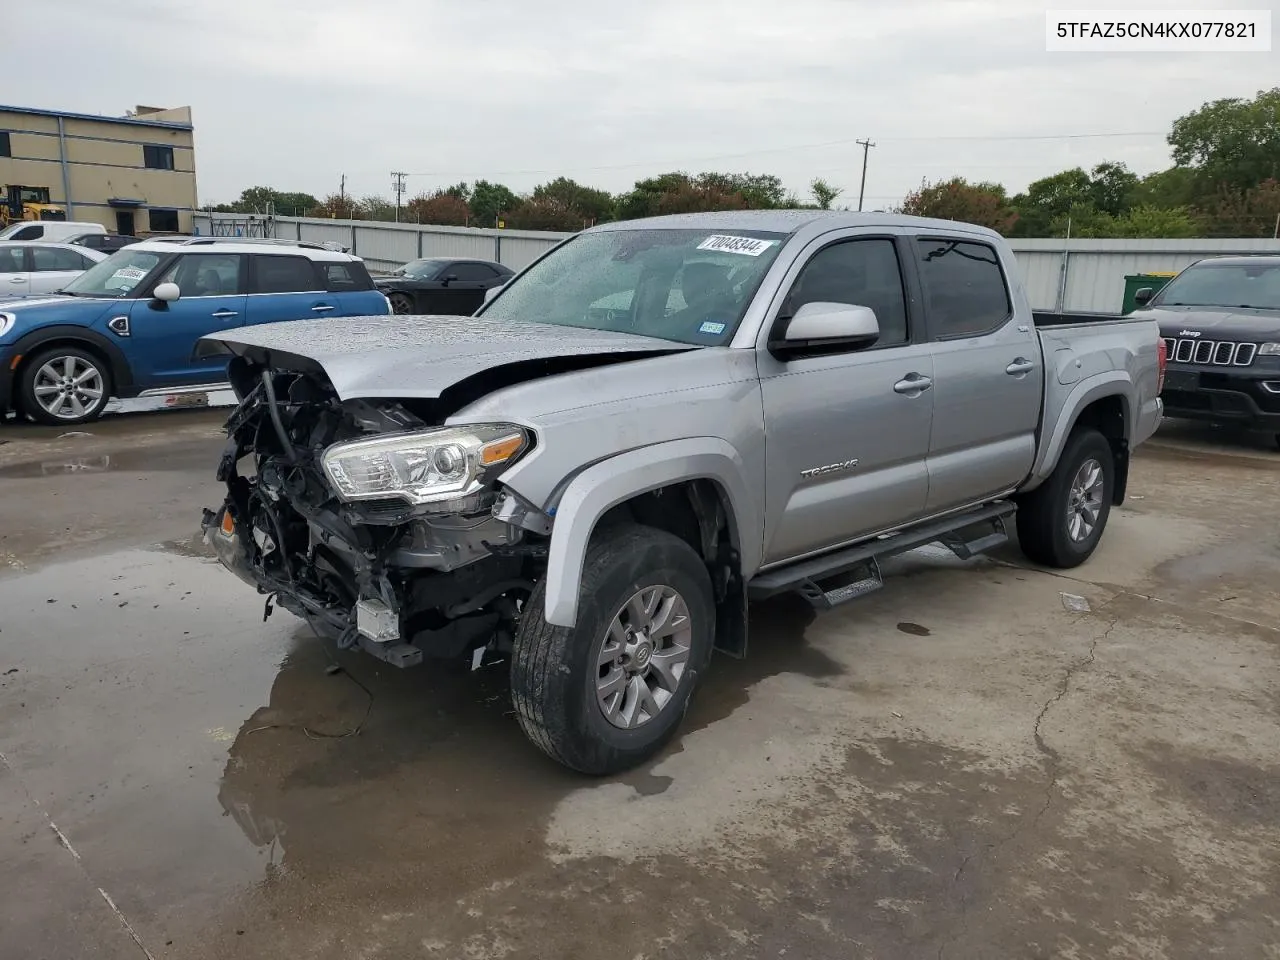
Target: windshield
{"points": [[1224, 285], [114, 276], [692, 286]]}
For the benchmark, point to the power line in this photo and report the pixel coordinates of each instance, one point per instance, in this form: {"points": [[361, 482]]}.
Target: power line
{"points": [[1000, 138]]}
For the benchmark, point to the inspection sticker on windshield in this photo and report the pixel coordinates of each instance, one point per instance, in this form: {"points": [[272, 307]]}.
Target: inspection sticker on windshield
{"points": [[128, 273], [748, 246], [710, 327]]}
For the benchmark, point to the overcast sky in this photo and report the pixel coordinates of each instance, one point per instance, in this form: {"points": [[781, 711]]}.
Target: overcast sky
{"points": [[294, 93]]}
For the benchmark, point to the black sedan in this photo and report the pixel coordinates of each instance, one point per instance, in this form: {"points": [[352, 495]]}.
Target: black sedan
{"points": [[442, 285], [106, 242]]}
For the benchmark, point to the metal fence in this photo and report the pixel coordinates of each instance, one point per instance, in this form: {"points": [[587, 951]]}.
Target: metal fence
{"points": [[1072, 276]]}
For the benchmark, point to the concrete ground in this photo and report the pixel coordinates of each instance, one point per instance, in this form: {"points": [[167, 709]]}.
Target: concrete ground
{"points": [[980, 761]]}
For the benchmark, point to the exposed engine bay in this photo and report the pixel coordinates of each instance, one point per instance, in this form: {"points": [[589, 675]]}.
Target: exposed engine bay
{"points": [[373, 522]]}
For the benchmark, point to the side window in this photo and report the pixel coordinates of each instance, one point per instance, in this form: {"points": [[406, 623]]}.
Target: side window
{"points": [[49, 259], [33, 232], [11, 260], [278, 274], [964, 287], [862, 272], [470, 272], [345, 277], [206, 274]]}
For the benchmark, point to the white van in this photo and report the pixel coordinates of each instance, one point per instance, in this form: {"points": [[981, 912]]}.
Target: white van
{"points": [[53, 231]]}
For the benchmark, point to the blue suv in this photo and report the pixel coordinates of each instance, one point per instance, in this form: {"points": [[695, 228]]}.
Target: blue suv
{"points": [[128, 326]]}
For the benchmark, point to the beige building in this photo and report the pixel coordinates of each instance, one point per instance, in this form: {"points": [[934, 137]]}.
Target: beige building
{"points": [[134, 174]]}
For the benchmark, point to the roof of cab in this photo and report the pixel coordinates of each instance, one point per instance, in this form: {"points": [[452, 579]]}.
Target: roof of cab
{"points": [[789, 221]]}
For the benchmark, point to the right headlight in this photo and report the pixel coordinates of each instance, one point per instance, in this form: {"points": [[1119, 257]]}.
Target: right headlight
{"points": [[7, 321], [1268, 349], [426, 467]]}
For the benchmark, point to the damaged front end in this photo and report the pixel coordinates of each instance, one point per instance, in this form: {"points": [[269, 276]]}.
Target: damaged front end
{"points": [[371, 521]]}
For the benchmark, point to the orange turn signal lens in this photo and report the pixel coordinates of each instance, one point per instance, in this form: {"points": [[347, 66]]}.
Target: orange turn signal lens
{"points": [[228, 525], [500, 451]]}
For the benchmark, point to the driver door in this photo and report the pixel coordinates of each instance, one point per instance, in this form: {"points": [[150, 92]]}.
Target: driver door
{"points": [[847, 433], [164, 334]]}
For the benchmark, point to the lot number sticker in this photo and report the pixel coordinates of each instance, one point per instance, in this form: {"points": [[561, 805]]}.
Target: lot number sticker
{"points": [[747, 246]]}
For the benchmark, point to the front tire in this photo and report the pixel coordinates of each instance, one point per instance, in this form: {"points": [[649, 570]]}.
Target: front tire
{"points": [[1061, 521], [65, 386], [608, 693]]}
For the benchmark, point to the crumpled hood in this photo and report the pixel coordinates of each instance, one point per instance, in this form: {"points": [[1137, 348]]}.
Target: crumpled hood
{"points": [[1254, 325], [421, 356]]}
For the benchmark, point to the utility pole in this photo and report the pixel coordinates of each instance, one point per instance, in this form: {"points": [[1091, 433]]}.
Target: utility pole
{"points": [[398, 186], [866, 145]]}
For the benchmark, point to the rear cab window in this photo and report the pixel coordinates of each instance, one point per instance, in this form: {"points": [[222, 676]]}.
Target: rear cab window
{"points": [[965, 290]]}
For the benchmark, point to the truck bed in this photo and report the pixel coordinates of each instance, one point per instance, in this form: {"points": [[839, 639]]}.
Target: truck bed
{"points": [[1046, 318]]}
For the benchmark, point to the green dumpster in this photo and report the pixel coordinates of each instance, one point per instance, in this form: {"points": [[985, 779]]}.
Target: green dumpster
{"points": [[1135, 282]]}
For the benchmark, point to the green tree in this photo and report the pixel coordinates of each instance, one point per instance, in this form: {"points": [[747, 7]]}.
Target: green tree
{"points": [[1112, 187], [1049, 199], [824, 194], [1174, 187], [376, 208], [1242, 213], [956, 199], [760, 191], [545, 213], [440, 207], [489, 200], [338, 206], [263, 199], [590, 204], [1233, 143]]}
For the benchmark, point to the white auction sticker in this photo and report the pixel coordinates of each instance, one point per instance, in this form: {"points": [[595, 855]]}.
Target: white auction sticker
{"points": [[748, 246], [1158, 31]]}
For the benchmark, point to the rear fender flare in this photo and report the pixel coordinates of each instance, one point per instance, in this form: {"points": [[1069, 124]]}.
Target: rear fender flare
{"points": [[608, 483], [1111, 384]]}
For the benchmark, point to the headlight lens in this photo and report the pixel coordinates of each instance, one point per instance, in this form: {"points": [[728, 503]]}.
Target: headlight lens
{"points": [[7, 320], [1269, 349], [425, 467]]}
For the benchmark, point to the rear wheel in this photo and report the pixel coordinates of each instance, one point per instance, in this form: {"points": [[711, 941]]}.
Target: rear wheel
{"points": [[65, 385], [608, 693], [401, 303], [1061, 521]]}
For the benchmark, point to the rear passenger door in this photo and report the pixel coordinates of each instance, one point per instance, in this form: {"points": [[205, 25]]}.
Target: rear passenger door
{"points": [[353, 289], [988, 372], [52, 268], [286, 287], [846, 434]]}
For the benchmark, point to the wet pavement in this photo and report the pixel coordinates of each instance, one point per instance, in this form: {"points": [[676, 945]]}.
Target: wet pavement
{"points": [[980, 761]]}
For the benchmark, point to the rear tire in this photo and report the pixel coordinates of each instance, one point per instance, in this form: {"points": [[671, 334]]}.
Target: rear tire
{"points": [[64, 386], [1061, 521], [401, 303], [646, 618]]}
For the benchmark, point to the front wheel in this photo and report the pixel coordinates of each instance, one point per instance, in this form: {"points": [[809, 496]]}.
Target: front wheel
{"points": [[608, 693], [64, 386], [1061, 521]]}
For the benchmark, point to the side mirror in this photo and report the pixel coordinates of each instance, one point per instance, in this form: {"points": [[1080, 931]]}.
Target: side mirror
{"points": [[168, 292], [1143, 296], [492, 292], [822, 327]]}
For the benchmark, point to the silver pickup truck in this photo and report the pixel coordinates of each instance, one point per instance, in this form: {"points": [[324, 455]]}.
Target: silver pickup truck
{"points": [[653, 424]]}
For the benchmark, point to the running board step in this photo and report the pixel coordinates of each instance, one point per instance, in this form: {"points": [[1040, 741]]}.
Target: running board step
{"points": [[965, 534], [825, 597]]}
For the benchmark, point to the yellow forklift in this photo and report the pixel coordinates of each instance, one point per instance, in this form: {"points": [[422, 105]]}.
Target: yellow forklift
{"points": [[20, 203]]}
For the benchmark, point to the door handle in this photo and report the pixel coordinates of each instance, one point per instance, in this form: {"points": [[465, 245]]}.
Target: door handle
{"points": [[912, 384], [322, 308], [223, 314], [1020, 366], [17, 279]]}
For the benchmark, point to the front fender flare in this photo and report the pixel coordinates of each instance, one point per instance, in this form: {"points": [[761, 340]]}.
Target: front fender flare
{"points": [[121, 373], [1114, 383], [606, 484]]}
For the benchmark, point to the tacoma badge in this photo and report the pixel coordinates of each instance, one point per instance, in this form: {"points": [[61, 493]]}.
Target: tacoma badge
{"points": [[829, 468]]}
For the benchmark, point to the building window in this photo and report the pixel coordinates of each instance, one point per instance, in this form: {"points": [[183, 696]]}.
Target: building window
{"points": [[157, 158], [163, 221], [5, 149]]}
